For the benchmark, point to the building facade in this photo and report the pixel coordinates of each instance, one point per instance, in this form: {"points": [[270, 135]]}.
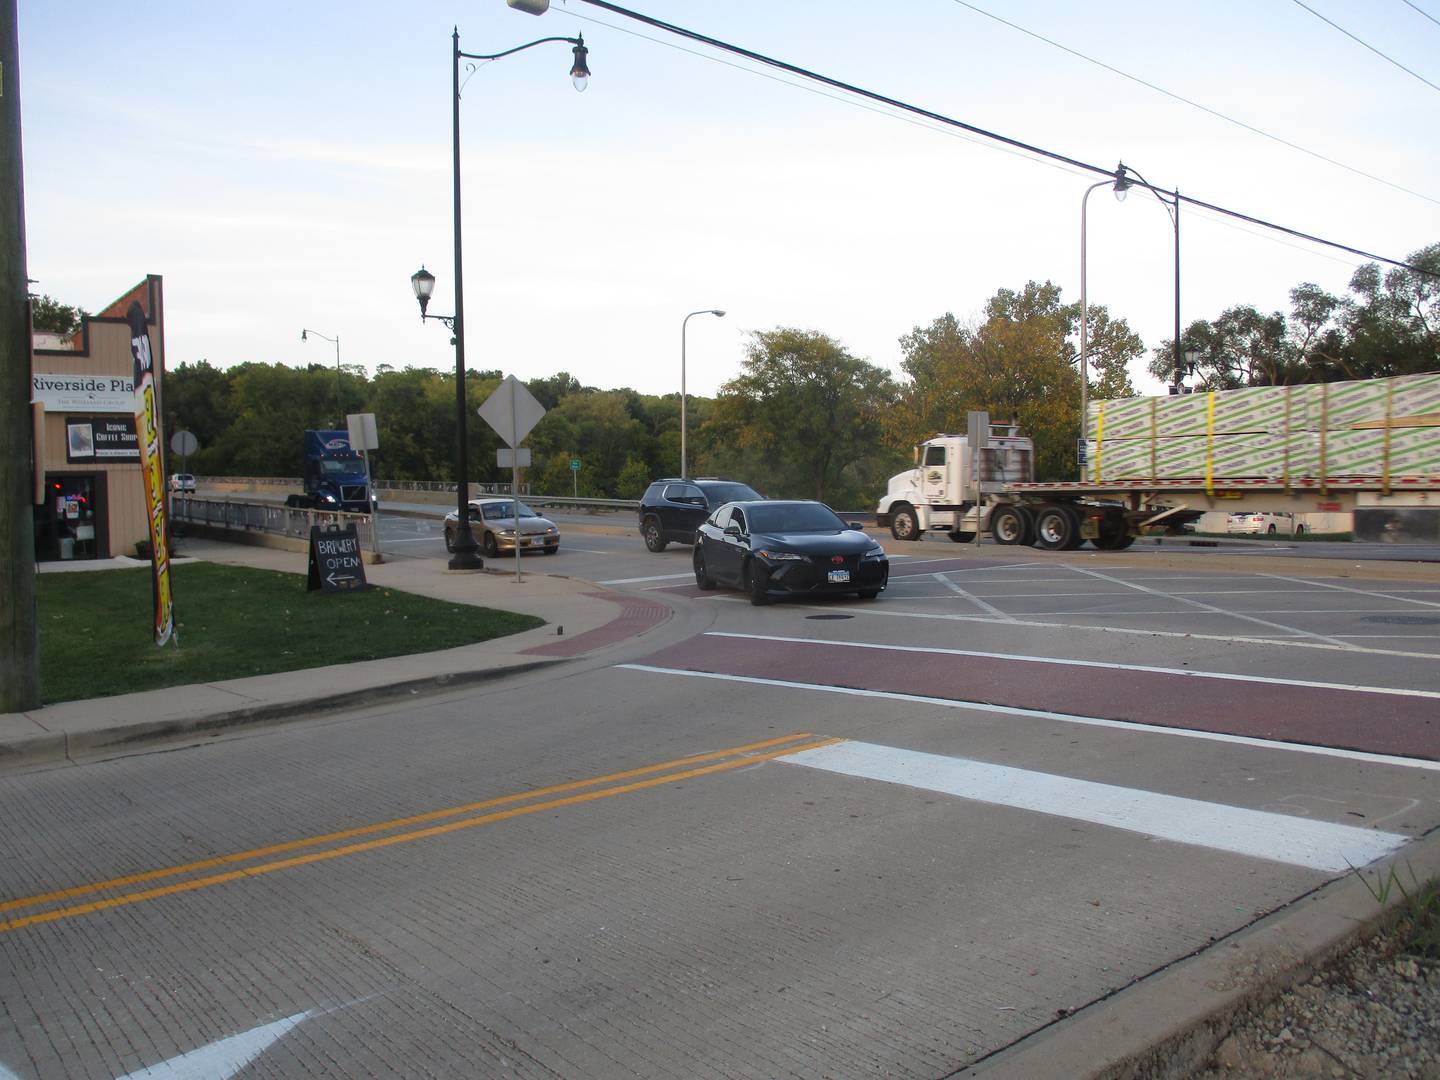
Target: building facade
{"points": [[89, 489]]}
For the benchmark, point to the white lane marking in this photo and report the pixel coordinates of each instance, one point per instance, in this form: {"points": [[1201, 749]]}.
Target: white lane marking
{"points": [[1212, 608], [1260, 834], [1133, 631], [981, 604], [637, 580], [1101, 593], [1347, 588], [1107, 665], [1064, 718], [220, 1059], [959, 570]]}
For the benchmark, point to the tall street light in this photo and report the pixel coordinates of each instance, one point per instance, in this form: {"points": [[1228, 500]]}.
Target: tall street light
{"points": [[1172, 208], [703, 311], [464, 555], [1121, 184], [339, 409]]}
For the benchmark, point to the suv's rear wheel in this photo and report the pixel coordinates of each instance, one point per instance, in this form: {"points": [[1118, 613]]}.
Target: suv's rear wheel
{"points": [[654, 537]]}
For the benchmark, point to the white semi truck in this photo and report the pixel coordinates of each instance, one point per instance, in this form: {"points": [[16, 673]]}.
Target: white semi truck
{"points": [[1154, 464]]}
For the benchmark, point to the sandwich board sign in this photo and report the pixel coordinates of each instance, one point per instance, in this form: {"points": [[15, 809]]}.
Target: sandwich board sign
{"points": [[335, 561]]}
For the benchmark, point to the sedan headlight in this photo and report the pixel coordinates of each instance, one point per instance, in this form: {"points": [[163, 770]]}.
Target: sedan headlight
{"points": [[876, 552], [508, 534], [780, 556], [551, 529]]}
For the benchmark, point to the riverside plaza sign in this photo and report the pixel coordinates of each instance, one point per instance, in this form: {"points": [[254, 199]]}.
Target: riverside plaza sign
{"points": [[61, 393]]}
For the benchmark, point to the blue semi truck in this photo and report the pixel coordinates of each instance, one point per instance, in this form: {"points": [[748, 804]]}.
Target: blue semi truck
{"points": [[334, 475]]}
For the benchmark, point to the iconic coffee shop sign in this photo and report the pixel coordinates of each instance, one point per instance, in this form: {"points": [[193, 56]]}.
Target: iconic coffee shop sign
{"points": [[83, 393], [100, 438]]}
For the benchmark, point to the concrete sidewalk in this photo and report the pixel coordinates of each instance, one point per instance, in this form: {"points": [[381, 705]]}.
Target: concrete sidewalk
{"points": [[580, 617]]}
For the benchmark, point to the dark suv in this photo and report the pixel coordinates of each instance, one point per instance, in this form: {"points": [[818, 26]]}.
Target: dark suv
{"points": [[672, 509]]}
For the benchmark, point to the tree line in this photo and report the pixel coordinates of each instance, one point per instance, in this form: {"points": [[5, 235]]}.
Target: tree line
{"points": [[804, 417]]}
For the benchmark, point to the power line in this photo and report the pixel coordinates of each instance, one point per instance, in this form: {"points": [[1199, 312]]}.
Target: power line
{"points": [[1197, 105], [1358, 41], [929, 114], [936, 129], [839, 99], [1422, 11]]}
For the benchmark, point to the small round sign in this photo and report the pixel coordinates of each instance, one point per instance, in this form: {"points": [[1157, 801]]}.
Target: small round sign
{"points": [[184, 443]]}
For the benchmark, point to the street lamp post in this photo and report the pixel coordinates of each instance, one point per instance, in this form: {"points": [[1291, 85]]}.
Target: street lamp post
{"points": [[703, 311], [339, 409], [1120, 185], [1172, 208], [464, 556]]}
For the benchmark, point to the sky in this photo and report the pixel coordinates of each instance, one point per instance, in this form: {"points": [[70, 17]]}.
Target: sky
{"points": [[288, 166]]}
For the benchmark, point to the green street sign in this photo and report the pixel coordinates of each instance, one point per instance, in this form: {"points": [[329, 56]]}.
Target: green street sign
{"points": [[575, 464]]}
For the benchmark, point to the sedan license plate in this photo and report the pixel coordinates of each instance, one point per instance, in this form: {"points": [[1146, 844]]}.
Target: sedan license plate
{"points": [[839, 577]]}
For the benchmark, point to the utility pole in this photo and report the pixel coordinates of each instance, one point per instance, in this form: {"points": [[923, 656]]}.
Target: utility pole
{"points": [[19, 642]]}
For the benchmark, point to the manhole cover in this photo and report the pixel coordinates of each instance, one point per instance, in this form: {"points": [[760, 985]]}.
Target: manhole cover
{"points": [[822, 617], [1404, 620]]}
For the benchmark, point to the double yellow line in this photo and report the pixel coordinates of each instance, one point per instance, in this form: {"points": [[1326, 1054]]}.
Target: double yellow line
{"points": [[531, 802]]}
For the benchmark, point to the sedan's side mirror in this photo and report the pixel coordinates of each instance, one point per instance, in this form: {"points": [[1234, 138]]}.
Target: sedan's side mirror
{"points": [[733, 530], [856, 526]]}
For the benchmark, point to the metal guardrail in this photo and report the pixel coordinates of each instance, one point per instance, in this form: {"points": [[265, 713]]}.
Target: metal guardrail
{"points": [[563, 501], [294, 483], [239, 516], [476, 490]]}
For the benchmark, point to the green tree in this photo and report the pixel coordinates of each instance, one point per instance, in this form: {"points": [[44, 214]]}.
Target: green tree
{"points": [[196, 398], [804, 414], [48, 315], [1020, 365], [634, 478]]}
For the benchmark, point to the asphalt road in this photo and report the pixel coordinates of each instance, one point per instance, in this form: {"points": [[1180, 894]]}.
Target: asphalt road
{"points": [[821, 839]]}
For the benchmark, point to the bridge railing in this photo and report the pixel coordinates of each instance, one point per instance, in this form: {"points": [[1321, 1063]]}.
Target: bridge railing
{"points": [[236, 515]]}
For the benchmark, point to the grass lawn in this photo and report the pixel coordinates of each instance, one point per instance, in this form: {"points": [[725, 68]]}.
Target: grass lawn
{"points": [[95, 636]]}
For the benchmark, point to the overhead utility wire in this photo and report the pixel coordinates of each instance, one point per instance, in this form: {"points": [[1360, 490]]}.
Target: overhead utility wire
{"points": [[841, 99], [1196, 105], [1367, 45], [950, 121], [1422, 11]]}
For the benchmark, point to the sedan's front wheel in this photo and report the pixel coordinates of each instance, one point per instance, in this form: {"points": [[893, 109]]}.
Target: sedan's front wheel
{"points": [[757, 583], [703, 579]]}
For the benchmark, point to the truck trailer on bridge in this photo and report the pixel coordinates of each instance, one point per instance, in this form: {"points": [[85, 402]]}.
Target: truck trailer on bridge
{"points": [[1368, 447]]}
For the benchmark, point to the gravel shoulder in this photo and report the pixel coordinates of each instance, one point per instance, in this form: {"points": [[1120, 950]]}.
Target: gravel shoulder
{"points": [[1373, 1013]]}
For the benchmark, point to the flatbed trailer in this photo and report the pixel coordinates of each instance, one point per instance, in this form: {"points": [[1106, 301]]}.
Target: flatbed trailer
{"points": [[946, 493]]}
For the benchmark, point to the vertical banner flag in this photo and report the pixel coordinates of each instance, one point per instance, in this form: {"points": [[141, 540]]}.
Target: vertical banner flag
{"points": [[147, 427]]}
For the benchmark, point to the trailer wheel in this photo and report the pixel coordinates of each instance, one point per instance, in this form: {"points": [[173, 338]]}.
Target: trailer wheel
{"points": [[1012, 525], [1057, 528], [961, 537], [1113, 534], [903, 523]]}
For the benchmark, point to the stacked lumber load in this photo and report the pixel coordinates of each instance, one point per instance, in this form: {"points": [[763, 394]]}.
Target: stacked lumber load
{"points": [[1370, 429]]}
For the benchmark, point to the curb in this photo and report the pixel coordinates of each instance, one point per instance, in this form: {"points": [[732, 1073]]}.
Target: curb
{"points": [[1169, 1023], [59, 747]]}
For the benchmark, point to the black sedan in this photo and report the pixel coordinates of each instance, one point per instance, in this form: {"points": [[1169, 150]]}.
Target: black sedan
{"points": [[790, 547]]}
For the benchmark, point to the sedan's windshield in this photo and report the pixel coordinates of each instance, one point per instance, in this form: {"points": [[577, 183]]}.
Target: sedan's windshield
{"points": [[497, 510], [794, 518]]}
